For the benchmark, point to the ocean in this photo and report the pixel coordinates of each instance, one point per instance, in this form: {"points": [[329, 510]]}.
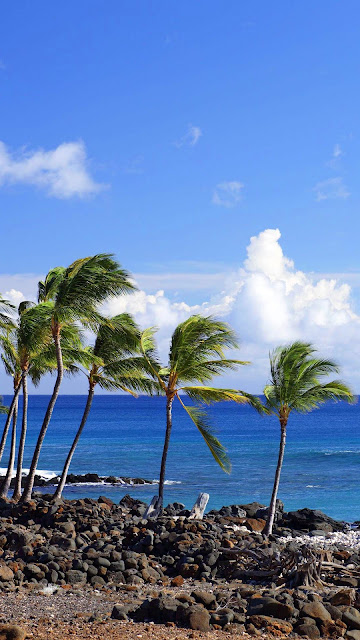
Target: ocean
{"points": [[124, 437]]}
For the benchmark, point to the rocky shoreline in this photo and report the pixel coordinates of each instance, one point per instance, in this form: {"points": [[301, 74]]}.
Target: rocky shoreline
{"points": [[85, 478], [216, 574]]}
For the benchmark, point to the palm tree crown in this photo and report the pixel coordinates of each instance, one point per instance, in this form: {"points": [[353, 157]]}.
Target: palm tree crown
{"points": [[296, 380]]}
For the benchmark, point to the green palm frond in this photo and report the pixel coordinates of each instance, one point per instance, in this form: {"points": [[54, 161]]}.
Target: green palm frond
{"points": [[47, 289], [296, 379], [198, 340], [200, 420], [88, 282], [3, 409], [207, 395]]}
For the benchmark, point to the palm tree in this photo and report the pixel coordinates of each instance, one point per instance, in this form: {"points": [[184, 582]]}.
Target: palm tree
{"points": [[28, 351], [73, 295], [296, 386], [115, 365], [196, 355]]}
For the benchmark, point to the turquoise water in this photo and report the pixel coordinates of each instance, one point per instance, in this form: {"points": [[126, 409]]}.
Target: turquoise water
{"points": [[124, 437]]}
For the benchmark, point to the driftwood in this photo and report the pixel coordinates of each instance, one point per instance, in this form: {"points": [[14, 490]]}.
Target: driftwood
{"points": [[293, 566], [154, 509], [197, 512]]}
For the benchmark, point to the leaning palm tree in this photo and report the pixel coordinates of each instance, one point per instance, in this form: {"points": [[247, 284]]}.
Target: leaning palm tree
{"points": [[115, 365], [73, 295], [196, 356], [296, 385], [28, 351]]}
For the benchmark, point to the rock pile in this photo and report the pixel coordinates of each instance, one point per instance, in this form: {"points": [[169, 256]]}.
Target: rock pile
{"points": [[202, 568]]}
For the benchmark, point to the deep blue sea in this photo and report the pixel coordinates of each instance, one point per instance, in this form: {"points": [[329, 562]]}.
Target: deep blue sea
{"points": [[124, 437]]}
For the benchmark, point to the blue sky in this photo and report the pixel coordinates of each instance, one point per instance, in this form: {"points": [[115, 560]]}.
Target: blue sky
{"points": [[170, 134]]}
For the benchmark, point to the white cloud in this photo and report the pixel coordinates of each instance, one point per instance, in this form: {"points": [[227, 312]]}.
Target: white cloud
{"points": [[191, 137], [268, 302], [331, 189], [61, 172], [228, 194]]}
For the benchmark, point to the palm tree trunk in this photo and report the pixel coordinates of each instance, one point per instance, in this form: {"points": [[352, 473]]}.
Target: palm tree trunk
{"points": [[169, 401], [8, 420], [61, 485], [17, 490], [26, 496], [5, 486], [272, 508]]}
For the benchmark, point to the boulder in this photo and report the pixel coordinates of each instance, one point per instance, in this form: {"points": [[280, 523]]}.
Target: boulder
{"points": [[273, 626], [270, 607], [315, 610]]}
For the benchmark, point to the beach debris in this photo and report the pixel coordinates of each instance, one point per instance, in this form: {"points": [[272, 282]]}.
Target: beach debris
{"points": [[198, 510], [154, 508]]}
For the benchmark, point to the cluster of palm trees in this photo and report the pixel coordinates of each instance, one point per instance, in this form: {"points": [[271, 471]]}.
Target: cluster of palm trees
{"points": [[48, 337]]}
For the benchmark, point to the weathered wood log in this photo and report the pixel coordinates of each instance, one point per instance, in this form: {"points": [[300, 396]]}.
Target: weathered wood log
{"points": [[153, 510], [197, 512]]}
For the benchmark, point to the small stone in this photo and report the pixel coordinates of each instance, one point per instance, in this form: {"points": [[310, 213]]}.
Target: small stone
{"points": [[6, 573], [344, 596], [199, 620], [178, 581], [309, 630], [11, 632]]}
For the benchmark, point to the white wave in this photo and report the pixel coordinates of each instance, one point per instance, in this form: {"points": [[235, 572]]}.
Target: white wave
{"points": [[313, 486], [44, 474], [335, 453], [167, 482]]}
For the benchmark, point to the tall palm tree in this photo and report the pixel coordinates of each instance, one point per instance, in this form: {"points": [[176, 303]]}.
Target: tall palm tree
{"points": [[196, 355], [115, 365], [28, 351], [73, 295], [296, 385]]}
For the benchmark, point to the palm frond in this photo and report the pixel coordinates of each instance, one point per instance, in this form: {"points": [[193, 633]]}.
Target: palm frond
{"points": [[200, 420], [207, 395]]}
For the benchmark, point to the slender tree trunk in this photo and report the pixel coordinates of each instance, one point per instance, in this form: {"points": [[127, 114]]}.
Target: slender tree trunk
{"points": [[17, 490], [61, 485], [272, 508], [8, 420], [169, 401], [26, 496], [5, 485]]}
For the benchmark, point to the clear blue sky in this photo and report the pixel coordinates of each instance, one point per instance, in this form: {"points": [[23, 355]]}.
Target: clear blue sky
{"points": [[273, 86], [199, 125]]}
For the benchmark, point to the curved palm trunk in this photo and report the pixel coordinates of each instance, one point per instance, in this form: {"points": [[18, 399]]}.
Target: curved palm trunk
{"points": [[5, 486], [8, 420], [272, 508], [17, 490], [169, 402], [26, 496], [61, 485]]}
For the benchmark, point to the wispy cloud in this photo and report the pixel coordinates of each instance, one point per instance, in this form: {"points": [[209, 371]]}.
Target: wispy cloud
{"points": [[191, 137], [62, 172], [228, 194], [334, 161], [331, 189], [337, 152]]}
